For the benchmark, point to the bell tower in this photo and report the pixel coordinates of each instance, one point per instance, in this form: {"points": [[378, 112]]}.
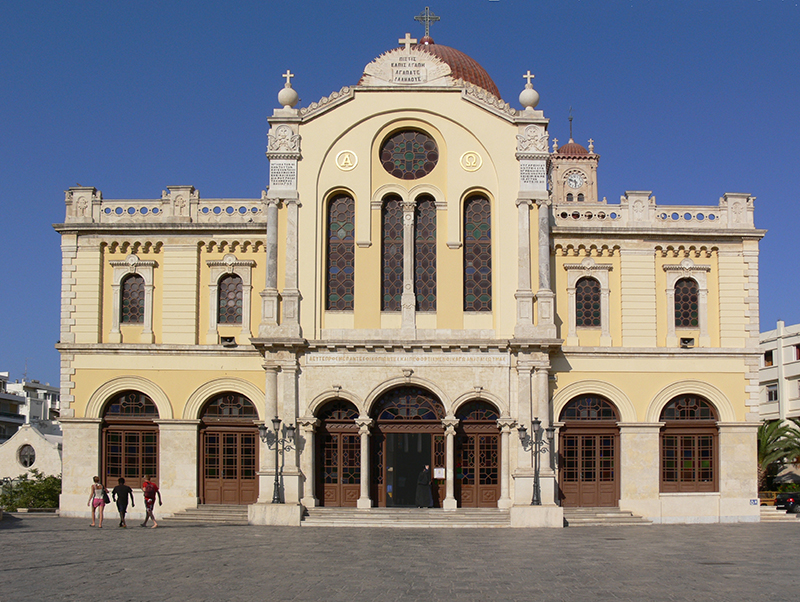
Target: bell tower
{"points": [[573, 172]]}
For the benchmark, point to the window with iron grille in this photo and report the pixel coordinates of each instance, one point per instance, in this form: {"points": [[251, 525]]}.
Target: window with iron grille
{"points": [[477, 255], [587, 303], [132, 300], [341, 254], [229, 306], [686, 303], [425, 254], [688, 445]]}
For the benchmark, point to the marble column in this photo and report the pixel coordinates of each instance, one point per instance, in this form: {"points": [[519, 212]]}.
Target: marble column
{"points": [[290, 296], [545, 298], [450, 502], [307, 429], [364, 426], [408, 300], [543, 411], [506, 425], [269, 296]]}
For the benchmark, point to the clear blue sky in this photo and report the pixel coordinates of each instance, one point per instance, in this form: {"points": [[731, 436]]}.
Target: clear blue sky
{"points": [[687, 99]]}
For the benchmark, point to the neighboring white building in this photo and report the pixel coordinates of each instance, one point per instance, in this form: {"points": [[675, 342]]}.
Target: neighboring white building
{"points": [[11, 417], [779, 376], [41, 404], [30, 449]]}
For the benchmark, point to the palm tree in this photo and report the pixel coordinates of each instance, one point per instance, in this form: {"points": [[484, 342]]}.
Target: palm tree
{"points": [[777, 443]]}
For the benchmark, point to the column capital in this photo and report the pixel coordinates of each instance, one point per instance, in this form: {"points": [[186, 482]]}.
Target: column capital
{"points": [[450, 422], [544, 202], [364, 425], [506, 425], [308, 423], [528, 202]]}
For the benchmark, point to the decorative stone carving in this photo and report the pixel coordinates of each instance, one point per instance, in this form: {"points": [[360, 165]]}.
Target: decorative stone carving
{"points": [[533, 139], [283, 140]]}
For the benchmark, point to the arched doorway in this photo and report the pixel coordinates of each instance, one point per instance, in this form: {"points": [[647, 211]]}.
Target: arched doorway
{"points": [[130, 439], [338, 454], [689, 445], [588, 468], [408, 434], [477, 456], [229, 450]]}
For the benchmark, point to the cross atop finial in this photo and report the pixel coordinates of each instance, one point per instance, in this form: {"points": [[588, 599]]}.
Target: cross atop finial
{"points": [[591, 145], [570, 124], [407, 41], [427, 17], [288, 75], [529, 76]]}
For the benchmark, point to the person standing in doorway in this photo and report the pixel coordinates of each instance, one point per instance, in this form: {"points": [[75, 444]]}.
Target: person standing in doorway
{"points": [[424, 498], [96, 501], [120, 495], [151, 491]]}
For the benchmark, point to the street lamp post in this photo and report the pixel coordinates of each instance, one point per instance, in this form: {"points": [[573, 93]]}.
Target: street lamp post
{"points": [[282, 440], [538, 447]]}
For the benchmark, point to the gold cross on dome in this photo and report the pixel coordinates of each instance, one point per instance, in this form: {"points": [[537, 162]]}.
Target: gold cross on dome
{"points": [[427, 17], [288, 75], [407, 41], [529, 76]]}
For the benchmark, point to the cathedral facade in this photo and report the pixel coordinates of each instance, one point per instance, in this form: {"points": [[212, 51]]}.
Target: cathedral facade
{"points": [[429, 279]]}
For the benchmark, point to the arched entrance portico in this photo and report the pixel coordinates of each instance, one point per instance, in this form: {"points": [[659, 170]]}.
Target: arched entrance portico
{"points": [[229, 450], [408, 434], [589, 453]]}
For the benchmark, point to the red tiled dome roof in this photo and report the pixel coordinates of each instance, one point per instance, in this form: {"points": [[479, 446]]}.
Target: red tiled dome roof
{"points": [[572, 148], [461, 66]]}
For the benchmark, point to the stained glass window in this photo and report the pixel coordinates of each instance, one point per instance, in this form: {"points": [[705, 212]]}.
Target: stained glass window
{"points": [[587, 303], [688, 407], [230, 406], [688, 445], [229, 307], [425, 254], [477, 410], [341, 253], [409, 403], [686, 303], [477, 255], [132, 300], [589, 407], [409, 155], [392, 254], [131, 404], [338, 409]]}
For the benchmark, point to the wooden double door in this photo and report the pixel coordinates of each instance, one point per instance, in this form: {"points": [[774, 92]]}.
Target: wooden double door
{"points": [[589, 466], [477, 455], [338, 465], [229, 471]]}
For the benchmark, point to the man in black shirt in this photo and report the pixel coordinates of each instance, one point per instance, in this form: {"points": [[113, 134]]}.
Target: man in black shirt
{"points": [[120, 495]]}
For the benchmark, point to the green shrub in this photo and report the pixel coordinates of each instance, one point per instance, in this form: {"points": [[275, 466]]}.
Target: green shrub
{"points": [[32, 490]]}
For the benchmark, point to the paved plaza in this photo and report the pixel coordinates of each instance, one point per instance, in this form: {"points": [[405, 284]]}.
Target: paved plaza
{"points": [[48, 558]]}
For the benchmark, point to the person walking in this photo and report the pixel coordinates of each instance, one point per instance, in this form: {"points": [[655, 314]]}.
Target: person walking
{"points": [[120, 495], [97, 497], [151, 491], [424, 498]]}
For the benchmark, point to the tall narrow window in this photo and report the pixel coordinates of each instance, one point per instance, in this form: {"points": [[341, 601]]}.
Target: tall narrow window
{"points": [[392, 254], [130, 438], [341, 254], [229, 307], [132, 300], [686, 303], [587, 303], [425, 254], [477, 255]]}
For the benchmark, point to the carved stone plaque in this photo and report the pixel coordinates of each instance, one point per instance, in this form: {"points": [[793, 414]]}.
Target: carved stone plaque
{"points": [[532, 174], [283, 174]]}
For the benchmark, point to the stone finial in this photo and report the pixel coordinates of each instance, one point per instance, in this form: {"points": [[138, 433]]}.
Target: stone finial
{"points": [[288, 96], [555, 145], [591, 145], [529, 97]]}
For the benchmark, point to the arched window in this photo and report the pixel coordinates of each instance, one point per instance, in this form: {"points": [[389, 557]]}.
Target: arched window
{"points": [[341, 253], [392, 254], [230, 406], [587, 303], [229, 301], [570, 197], [589, 407], [477, 255], [132, 300], [425, 253], [409, 403], [580, 197], [130, 438], [688, 445], [686, 303]]}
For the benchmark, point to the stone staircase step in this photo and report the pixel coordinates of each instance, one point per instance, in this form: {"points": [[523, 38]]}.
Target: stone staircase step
{"points": [[602, 517], [770, 514], [211, 514], [407, 518]]}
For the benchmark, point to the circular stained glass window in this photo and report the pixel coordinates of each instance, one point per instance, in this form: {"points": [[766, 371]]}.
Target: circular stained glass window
{"points": [[27, 455], [409, 154]]}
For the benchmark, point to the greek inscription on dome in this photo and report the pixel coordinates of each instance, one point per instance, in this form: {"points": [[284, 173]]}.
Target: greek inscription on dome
{"points": [[399, 68]]}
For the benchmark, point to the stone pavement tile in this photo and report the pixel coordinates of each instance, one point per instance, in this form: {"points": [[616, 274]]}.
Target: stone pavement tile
{"points": [[64, 559]]}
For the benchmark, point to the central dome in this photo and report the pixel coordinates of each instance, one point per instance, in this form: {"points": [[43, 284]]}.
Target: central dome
{"points": [[461, 65]]}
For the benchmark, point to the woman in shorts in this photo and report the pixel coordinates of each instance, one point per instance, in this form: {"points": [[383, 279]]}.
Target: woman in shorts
{"points": [[96, 501]]}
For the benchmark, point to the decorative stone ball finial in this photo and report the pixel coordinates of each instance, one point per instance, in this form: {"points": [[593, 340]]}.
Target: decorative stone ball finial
{"points": [[529, 97], [288, 96], [591, 145]]}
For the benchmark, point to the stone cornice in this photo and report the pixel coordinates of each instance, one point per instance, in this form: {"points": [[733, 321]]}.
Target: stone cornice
{"points": [[694, 352], [186, 227]]}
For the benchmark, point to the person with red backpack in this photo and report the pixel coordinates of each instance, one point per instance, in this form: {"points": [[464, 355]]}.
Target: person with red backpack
{"points": [[151, 491]]}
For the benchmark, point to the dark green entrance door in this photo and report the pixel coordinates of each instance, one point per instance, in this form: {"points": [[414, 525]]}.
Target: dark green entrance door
{"points": [[406, 456]]}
